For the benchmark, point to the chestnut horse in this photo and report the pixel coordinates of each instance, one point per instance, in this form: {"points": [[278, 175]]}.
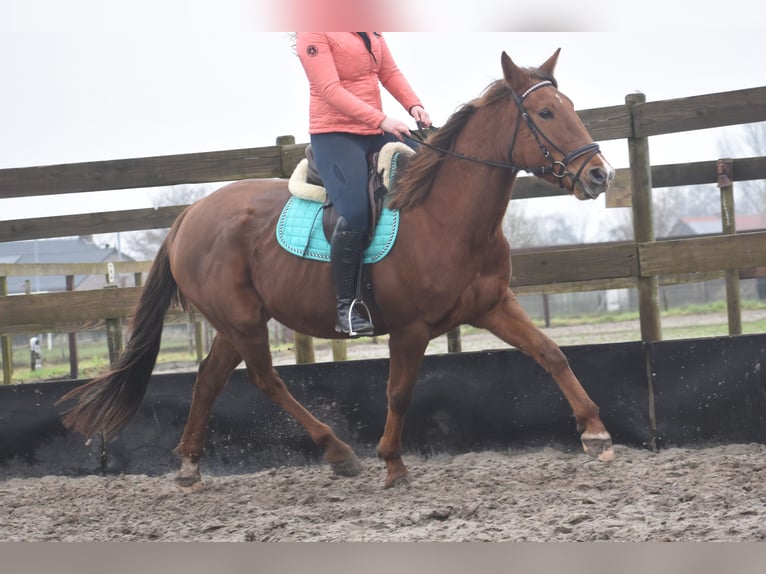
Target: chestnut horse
{"points": [[450, 265]]}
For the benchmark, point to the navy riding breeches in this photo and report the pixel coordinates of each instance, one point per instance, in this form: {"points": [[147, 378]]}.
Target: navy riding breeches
{"points": [[341, 159]]}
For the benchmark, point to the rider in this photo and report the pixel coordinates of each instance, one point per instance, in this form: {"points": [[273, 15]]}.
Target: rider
{"points": [[346, 123]]}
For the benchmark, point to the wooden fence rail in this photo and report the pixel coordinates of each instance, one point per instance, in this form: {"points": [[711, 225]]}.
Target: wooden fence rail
{"points": [[550, 270], [694, 173], [616, 122], [596, 266]]}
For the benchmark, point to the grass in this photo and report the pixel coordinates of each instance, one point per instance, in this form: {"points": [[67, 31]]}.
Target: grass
{"points": [[697, 309], [94, 358], [699, 331]]}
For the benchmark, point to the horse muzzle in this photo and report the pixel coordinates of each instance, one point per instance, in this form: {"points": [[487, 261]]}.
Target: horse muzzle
{"points": [[593, 179]]}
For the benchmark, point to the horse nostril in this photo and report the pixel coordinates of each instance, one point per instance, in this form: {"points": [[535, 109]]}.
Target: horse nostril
{"points": [[598, 175]]}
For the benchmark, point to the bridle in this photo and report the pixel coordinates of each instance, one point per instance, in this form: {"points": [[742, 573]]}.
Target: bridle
{"points": [[557, 168]]}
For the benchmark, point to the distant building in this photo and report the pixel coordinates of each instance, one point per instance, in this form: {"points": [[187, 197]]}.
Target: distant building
{"points": [[711, 224], [69, 250], [705, 291]]}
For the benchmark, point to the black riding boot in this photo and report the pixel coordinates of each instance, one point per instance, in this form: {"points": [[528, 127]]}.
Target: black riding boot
{"points": [[346, 250]]}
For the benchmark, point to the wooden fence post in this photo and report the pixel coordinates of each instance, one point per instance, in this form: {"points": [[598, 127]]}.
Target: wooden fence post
{"points": [[729, 227], [5, 342], [114, 339], [73, 356], [113, 325], [454, 343], [643, 226], [643, 232], [304, 349], [199, 340], [339, 350]]}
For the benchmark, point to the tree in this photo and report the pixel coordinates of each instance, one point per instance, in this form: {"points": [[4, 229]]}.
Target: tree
{"points": [[522, 229], [143, 245], [669, 205], [519, 229], [750, 141]]}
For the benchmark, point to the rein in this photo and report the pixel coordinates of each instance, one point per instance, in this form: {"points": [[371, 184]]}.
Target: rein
{"points": [[557, 168]]}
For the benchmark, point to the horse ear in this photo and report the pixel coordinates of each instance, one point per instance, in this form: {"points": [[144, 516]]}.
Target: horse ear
{"points": [[550, 63], [511, 71]]}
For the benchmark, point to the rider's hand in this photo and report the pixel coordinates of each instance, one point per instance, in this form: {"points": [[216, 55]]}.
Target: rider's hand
{"points": [[421, 116], [396, 127]]}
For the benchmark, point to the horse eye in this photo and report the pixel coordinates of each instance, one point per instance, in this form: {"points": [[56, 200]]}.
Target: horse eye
{"points": [[546, 114]]}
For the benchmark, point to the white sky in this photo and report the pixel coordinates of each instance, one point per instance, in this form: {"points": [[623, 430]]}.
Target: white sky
{"points": [[89, 80]]}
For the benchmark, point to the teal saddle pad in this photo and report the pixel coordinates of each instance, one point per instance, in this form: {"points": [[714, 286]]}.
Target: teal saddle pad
{"points": [[300, 232]]}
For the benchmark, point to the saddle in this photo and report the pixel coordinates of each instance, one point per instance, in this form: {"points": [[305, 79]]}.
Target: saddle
{"points": [[307, 183]]}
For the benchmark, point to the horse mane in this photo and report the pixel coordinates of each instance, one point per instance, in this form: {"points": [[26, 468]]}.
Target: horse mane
{"points": [[415, 183]]}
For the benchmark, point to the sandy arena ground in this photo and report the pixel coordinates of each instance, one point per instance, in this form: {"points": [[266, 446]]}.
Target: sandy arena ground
{"points": [[711, 494], [708, 494]]}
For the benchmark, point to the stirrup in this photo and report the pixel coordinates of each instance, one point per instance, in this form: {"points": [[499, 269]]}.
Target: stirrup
{"points": [[361, 303]]}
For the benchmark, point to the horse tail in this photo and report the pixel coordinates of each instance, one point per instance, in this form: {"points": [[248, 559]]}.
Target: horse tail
{"points": [[107, 403]]}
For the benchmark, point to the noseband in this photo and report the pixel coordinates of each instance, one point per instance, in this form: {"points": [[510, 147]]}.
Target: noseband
{"points": [[556, 168]]}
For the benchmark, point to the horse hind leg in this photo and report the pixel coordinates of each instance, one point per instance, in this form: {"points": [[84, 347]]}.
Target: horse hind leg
{"points": [[508, 321], [260, 371], [212, 376]]}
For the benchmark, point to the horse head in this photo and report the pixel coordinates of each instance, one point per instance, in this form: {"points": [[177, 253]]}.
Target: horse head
{"points": [[549, 139]]}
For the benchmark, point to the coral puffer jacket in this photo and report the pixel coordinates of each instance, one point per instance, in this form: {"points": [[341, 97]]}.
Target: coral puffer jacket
{"points": [[344, 79]]}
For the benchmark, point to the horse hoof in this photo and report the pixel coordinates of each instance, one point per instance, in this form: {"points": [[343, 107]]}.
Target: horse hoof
{"points": [[191, 488], [397, 481], [349, 466], [607, 455], [188, 479], [189, 484], [598, 446]]}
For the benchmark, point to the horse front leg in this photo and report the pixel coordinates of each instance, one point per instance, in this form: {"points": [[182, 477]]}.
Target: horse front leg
{"points": [[213, 374], [406, 354], [508, 321]]}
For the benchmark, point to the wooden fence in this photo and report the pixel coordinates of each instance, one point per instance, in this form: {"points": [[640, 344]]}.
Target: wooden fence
{"points": [[596, 266]]}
